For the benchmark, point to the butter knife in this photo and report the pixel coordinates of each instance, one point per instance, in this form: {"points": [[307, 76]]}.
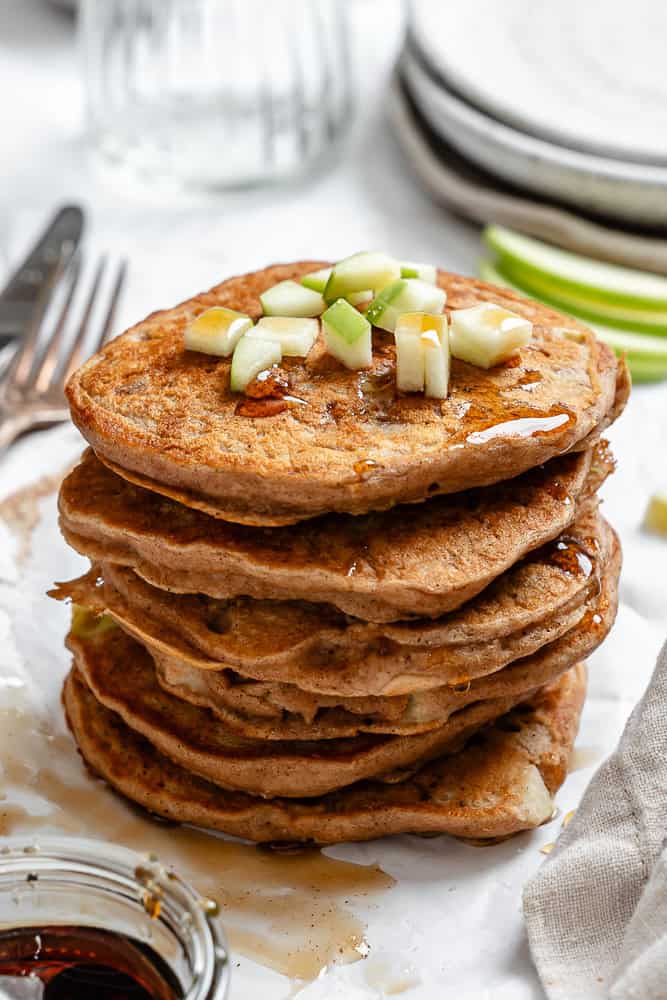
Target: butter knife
{"points": [[24, 291]]}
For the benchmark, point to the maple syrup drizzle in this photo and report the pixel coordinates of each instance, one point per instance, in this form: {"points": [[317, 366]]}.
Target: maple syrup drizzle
{"points": [[522, 427], [570, 555], [286, 912]]}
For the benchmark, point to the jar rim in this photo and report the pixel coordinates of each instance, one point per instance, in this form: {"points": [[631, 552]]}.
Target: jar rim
{"points": [[86, 864]]}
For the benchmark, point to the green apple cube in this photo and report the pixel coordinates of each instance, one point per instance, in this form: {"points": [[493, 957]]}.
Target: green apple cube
{"points": [[289, 298], [317, 280], [252, 356], [404, 296], [655, 519], [295, 335], [216, 331], [436, 364], [348, 335], [426, 272], [597, 281], [360, 272], [487, 334]]}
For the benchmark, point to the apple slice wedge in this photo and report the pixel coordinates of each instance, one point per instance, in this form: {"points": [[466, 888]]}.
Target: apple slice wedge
{"points": [[596, 280]]}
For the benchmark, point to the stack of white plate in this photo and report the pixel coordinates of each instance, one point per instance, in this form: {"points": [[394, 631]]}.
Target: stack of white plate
{"points": [[567, 100]]}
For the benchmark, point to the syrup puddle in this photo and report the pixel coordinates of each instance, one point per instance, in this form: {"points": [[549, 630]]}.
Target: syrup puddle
{"points": [[20, 510], [285, 911]]}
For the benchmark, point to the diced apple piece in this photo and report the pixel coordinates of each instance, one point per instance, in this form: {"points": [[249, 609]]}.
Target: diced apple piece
{"points": [[409, 359], [486, 334], [216, 331], [294, 334], [436, 366], [360, 272], [360, 298], [655, 519], [426, 272], [348, 335], [289, 298], [317, 280], [251, 357], [404, 296], [422, 354]]}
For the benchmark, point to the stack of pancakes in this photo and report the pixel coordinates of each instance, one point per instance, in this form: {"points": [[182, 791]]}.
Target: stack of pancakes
{"points": [[343, 612]]}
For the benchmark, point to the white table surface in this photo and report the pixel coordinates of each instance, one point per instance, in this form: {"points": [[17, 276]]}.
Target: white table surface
{"points": [[455, 913]]}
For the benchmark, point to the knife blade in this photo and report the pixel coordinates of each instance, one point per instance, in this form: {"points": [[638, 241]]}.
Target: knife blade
{"points": [[21, 294]]}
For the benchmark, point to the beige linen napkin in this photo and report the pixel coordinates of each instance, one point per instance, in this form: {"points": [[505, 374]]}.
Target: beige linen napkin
{"points": [[596, 911]]}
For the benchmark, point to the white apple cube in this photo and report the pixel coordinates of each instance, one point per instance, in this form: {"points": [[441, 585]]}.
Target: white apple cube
{"points": [[487, 334], [216, 331], [317, 280], [422, 354], [413, 269], [252, 356], [289, 298], [295, 335]]}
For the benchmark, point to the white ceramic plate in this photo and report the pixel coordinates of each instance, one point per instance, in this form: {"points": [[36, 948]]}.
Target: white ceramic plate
{"points": [[589, 74], [631, 192]]}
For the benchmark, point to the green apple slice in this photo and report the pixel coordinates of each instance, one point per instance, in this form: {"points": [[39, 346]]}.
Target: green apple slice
{"points": [[295, 335], [655, 518], [348, 335], [361, 271], [404, 296], [436, 363], [646, 355], [289, 298], [317, 280], [425, 272], [252, 356], [486, 334], [596, 280], [573, 302], [216, 331]]}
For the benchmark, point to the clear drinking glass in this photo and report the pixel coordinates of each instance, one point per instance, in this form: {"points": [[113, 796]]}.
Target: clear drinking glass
{"points": [[216, 93]]}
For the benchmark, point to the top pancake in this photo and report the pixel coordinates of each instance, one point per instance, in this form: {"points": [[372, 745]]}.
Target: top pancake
{"points": [[350, 443]]}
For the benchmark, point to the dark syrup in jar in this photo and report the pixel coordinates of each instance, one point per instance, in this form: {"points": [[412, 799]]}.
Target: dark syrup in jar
{"points": [[81, 963]]}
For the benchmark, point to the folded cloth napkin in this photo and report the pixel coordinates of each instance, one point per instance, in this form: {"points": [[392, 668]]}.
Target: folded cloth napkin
{"points": [[596, 911]]}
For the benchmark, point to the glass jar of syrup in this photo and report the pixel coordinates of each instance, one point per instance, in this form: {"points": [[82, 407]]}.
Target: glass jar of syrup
{"points": [[85, 920]]}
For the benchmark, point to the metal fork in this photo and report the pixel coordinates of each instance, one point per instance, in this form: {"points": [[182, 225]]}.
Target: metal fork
{"points": [[32, 386]]}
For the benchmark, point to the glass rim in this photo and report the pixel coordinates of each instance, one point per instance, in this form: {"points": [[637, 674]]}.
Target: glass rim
{"points": [[141, 878]]}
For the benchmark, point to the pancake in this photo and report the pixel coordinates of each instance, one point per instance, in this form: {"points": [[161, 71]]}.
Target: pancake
{"points": [[502, 782], [321, 650], [276, 712], [121, 675], [350, 443], [422, 560]]}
